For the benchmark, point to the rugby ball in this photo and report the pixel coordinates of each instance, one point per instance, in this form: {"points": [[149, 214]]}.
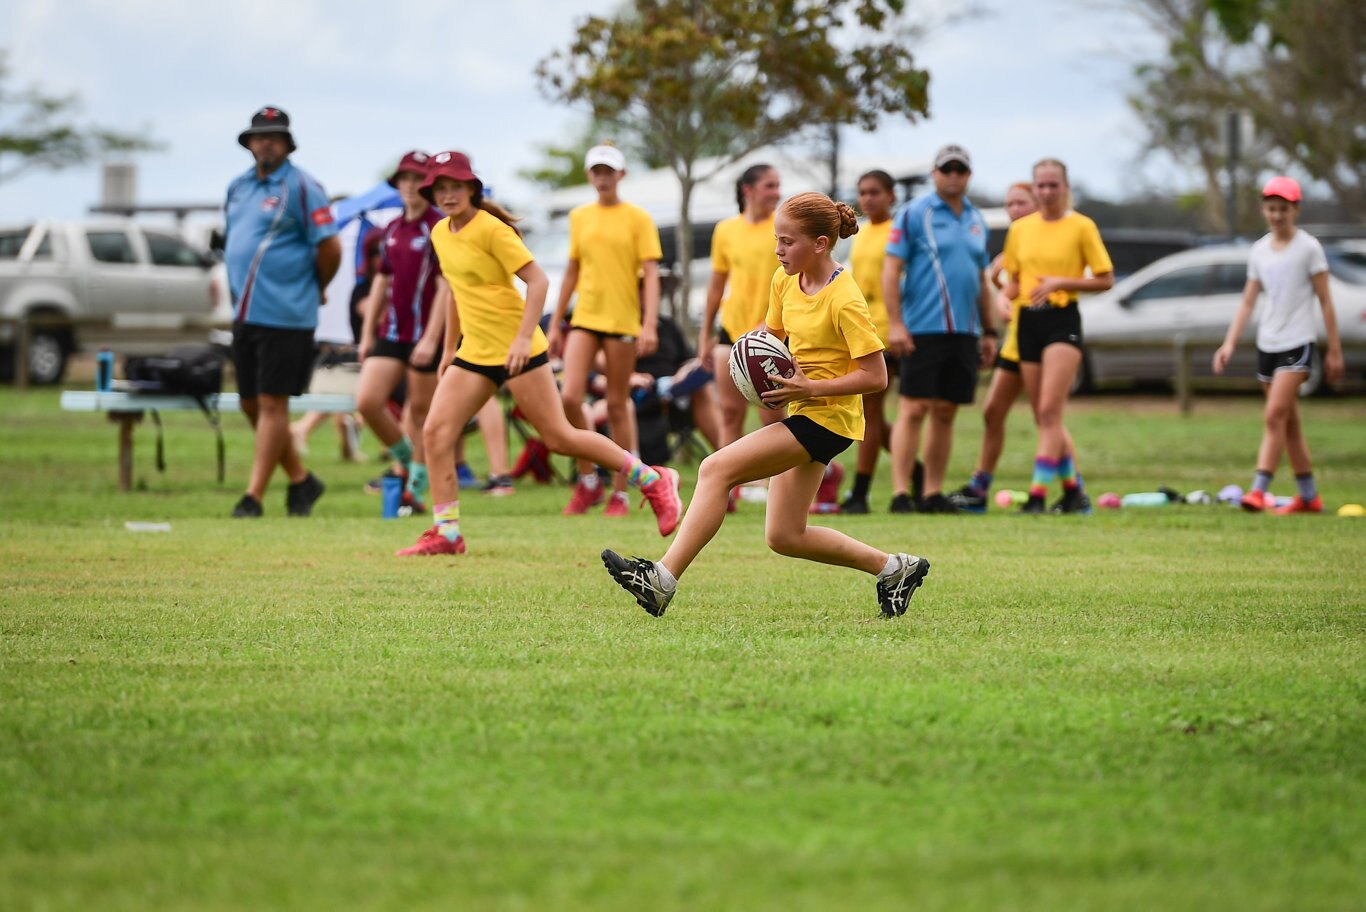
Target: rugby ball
{"points": [[756, 358]]}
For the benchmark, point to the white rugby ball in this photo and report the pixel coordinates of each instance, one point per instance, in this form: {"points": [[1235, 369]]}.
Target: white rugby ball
{"points": [[755, 359]]}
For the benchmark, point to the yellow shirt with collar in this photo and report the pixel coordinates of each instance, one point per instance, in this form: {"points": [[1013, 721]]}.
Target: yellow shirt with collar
{"points": [[826, 333], [865, 262], [744, 251], [611, 243]]}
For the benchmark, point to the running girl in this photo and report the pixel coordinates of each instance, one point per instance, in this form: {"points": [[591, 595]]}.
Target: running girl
{"points": [[1290, 266], [614, 265], [814, 303], [500, 341]]}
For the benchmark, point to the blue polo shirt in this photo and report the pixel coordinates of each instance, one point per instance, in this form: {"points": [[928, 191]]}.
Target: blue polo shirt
{"points": [[941, 286], [274, 227]]}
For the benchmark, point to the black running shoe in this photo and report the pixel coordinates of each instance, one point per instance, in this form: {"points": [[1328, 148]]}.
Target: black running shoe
{"points": [[1035, 506], [1073, 501], [300, 498], [918, 481], [640, 577], [967, 500], [936, 503], [902, 503], [894, 592], [248, 507], [853, 505]]}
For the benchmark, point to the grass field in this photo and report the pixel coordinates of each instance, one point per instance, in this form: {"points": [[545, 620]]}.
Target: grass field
{"points": [[1146, 709]]}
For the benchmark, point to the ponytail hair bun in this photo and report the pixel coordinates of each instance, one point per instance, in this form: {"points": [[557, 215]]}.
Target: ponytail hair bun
{"points": [[848, 220], [817, 215]]}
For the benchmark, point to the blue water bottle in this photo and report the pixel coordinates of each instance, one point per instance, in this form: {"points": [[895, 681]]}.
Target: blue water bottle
{"points": [[104, 371], [392, 498]]}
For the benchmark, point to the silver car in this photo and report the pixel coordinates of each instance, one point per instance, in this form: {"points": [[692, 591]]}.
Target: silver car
{"points": [[1132, 330]]}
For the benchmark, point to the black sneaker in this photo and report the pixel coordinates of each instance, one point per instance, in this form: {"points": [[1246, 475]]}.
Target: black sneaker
{"points": [[902, 503], [918, 481], [247, 507], [1073, 501], [894, 592], [936, 503], [640, 577], [854, 505], [1035, 506], [300, 498], [967, 500]]}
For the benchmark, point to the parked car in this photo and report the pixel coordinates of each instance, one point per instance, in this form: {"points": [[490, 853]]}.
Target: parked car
{"points": [[1131, 329], [77, 272]]}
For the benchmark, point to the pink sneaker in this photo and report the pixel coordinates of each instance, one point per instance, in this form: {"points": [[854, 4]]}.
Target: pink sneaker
{"points": [[618, 505], [432, 542], [829, 491], [583, 499], [1300, 505], [662, 496]]}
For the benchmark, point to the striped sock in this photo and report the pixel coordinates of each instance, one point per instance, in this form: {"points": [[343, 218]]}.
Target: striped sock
{"points": [[1067, 473], [981, 482], [448, 519], [637, 472], [1045, 470]]}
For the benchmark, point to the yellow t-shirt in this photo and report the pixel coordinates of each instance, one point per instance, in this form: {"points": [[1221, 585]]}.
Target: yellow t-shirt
{"points": [[1010, 344], [479, 262], [826, 333], [611, 243], [744, 251], [1064, 248], [865, 262]]}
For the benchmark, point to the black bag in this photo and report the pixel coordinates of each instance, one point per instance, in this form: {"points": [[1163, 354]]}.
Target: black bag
{"points": [[195, 371]]}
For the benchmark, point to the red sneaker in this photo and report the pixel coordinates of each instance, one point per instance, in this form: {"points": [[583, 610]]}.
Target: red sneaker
{"points": [[662, 496], [829, 491], [1300, 505], [618, 505], [1255, 502], [432, 542], [583, 498]]}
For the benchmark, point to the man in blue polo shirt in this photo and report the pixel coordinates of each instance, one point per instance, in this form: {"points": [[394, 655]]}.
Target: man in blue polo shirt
{"points": [[940, 324], [281, 251]]}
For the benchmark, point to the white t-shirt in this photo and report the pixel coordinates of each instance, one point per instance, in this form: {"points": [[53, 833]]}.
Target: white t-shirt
{"points": [[1286, 276]]}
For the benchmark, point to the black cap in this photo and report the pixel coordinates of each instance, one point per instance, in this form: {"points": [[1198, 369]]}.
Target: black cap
{"points": [[269, 119]]}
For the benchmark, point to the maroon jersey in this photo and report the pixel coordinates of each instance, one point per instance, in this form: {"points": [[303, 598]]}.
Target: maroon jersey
{"points": [[409, 263]]}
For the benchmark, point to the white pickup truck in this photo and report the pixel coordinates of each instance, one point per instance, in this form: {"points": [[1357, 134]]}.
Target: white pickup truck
{"points": [[100, 281]]}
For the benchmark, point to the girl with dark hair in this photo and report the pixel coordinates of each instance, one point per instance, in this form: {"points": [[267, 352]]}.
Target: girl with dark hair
{"points": [[815, 304]]}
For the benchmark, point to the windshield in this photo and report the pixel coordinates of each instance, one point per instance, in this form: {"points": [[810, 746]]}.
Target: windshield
{"points": [[1347, 264]]}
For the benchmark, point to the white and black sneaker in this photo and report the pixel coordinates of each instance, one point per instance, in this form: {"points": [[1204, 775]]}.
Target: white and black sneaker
{"points": [[895, 589], [642, 579]]}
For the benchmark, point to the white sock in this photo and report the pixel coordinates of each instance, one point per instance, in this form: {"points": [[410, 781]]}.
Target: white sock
{"points": [[666, 579], [590, 480], [892, 566]]}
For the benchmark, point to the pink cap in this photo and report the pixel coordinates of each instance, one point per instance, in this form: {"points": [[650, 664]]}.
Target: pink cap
{"points": [[1287, 188]]}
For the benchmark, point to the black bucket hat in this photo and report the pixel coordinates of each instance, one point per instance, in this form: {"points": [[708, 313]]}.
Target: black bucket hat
{"points": [[269, 119]]}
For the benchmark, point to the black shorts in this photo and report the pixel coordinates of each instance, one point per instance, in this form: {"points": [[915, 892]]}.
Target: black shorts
{"points": [[1047, 326], [603, 336], [821, 443], [497, 372], [271, 361], [1269, 364], [723, 337], [1006, 364], [943, 366], [402, 351]]}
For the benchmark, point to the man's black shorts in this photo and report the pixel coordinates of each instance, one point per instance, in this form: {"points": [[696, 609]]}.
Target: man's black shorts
{"points": [[1299, 360], [497, 372], [820, 443], [943, 366], [1047, 326], [402, 351], [271, 361]]}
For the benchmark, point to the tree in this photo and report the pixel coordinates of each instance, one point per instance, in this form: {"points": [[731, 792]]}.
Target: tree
{"points": [[37, 131], [1296, 68], [694, 80]]}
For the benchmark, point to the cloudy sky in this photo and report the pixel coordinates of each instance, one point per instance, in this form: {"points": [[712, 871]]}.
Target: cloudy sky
{"points": [[365, 80]]}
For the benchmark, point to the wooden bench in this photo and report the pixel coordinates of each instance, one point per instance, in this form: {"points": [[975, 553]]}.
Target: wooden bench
{"points": [[127, 409]]}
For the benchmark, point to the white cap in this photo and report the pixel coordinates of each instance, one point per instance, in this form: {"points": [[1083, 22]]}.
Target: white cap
{"points": [[610, 156]]}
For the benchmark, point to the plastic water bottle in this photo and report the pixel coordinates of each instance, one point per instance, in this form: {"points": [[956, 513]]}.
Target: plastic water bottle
{"points": [[104, 371], [1145, 499], [391, 496]]}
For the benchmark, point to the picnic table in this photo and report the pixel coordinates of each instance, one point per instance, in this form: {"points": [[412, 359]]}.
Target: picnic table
{"points": [[126, 409]]}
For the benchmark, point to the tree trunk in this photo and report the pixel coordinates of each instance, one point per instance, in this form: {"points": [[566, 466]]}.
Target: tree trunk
{"points": [[683, 234]]}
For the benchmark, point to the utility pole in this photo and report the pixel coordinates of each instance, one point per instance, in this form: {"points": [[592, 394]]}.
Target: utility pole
{"points": [[834, 160], [1232, 129]]}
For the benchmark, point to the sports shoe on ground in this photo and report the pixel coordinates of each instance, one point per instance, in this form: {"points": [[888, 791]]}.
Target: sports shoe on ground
{"points": [[583, 499], [829, 491], [432, 542], [247, 508], [1073, 501], [902, 503], [1300, 505], [1255, 502], [1035, 506], [854, 505], [409, 505], [968, 501], [465, 475], [499, 486], [640, 577], [894, 592], [936, 503], [618, 504], [300, 498], [662, 496]]}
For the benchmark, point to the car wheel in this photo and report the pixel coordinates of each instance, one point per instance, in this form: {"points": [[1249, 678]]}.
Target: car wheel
{"points": [[46, 357], [1083, 382], [1313, 385]]}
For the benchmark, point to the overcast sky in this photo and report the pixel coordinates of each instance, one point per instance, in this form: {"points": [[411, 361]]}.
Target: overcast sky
{"points": [[364, 81]]}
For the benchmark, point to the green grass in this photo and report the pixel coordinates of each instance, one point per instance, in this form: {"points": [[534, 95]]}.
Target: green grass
{"points": [[1161, 708]]}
